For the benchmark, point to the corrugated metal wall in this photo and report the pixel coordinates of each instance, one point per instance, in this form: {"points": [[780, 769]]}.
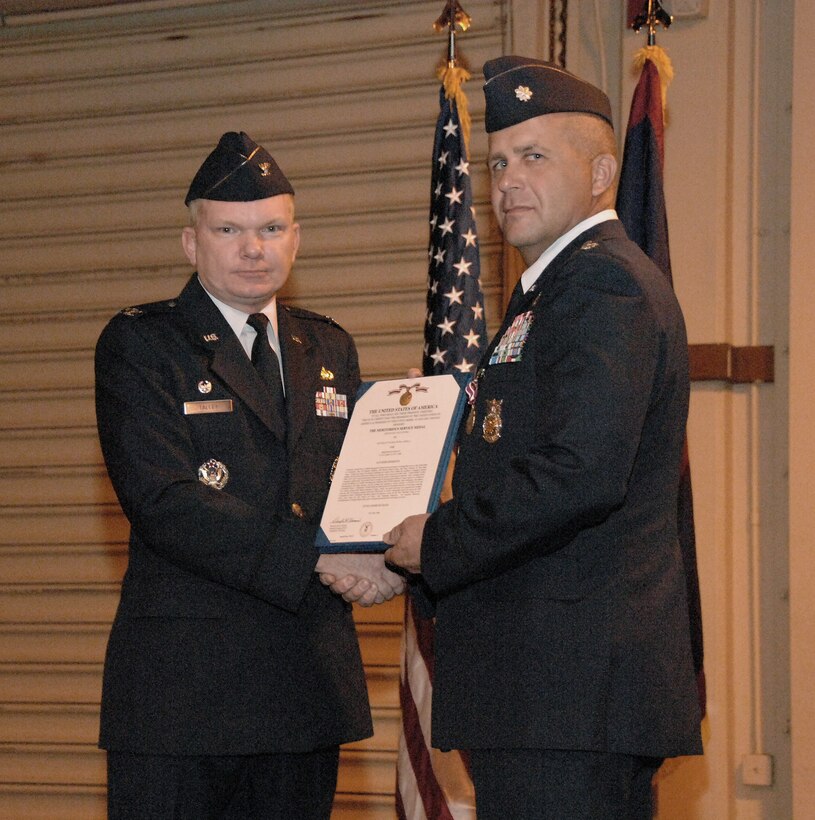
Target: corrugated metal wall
{"points": [[104, 117]]}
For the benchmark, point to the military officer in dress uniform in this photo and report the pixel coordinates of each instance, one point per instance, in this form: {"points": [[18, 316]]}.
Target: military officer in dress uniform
{"points": [[563, 659], [232, 674]]}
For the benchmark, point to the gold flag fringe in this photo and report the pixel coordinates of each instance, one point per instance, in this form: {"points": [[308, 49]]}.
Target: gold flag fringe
{"points": [[659, 57], [453, 78]]}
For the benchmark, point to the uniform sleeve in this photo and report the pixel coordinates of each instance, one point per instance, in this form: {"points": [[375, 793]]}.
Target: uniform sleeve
{"points": [[213, 534], [586, 403]]}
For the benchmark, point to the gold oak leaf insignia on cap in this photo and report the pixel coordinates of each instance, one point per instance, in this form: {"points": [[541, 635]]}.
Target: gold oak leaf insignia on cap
{"points": [[523, 93]]}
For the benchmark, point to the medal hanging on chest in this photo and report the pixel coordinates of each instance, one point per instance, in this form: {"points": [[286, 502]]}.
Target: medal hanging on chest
{"points": [[493, 423], [472, 393], [470, 420]]}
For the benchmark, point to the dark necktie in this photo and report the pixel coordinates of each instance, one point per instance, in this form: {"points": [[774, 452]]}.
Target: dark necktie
{"points": [[515, 299], [266, 363]]}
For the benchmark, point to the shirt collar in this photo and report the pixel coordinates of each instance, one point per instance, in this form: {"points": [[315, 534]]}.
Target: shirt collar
{"points": [[531, 274], [236, 319]]}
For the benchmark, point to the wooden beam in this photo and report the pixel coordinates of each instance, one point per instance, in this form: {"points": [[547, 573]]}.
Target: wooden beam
{"points": [[732, 364]]}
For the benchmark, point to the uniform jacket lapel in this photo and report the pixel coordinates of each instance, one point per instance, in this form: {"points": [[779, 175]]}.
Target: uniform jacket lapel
{"points": [[611, 229], [299, 373], [210, 332]]}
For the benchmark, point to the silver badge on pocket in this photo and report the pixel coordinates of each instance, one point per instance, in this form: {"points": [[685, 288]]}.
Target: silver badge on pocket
{"points": [[214, 474]]}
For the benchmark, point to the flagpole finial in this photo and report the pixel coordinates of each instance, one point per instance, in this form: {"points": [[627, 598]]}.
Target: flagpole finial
{"points": [[652, 15], [453, 15]]}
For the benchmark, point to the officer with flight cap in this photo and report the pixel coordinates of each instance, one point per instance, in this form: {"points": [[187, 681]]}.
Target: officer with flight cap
{"points": [[563, 659], [232, 674]]}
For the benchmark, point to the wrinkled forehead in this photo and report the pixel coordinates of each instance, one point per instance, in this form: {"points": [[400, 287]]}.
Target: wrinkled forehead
{"points": [[545, 130]]}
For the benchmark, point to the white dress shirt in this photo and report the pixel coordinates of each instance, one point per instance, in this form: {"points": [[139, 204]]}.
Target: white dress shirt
{"points": [[246, 334], [531, 274]]}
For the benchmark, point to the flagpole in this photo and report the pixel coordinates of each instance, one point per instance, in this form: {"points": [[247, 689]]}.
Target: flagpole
{"points": [[641, 208], [652, 15], [431, 784], [453, 15], [451, 43]]}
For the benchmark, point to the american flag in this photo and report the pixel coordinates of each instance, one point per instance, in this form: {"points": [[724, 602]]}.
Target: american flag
{"points": [[455, 329], [435, 785]]}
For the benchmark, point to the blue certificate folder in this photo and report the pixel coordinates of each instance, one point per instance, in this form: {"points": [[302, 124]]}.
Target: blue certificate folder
{"points": [[372, 492]]}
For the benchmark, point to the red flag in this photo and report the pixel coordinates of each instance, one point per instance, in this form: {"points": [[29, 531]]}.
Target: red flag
{"points": [[641, 208], [435, 785]]}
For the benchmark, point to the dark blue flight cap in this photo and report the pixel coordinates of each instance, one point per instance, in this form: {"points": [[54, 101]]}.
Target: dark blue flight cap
{"points": [[519, 88], [238, 170]]}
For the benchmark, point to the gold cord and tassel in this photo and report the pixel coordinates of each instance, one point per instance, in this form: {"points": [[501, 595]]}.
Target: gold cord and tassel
{"points": [[659, 57], [453, 78]]}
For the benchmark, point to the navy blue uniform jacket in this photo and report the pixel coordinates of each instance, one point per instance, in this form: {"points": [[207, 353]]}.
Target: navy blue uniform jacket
{"points": [[562, 619], [224, 641]]}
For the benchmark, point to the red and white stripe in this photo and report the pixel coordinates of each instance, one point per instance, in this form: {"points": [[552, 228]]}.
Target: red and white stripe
{"points": [[430, 784]]}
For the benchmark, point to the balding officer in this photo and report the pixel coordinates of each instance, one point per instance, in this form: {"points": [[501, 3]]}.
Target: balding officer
{"points": [[232, 674], [563, 659]]}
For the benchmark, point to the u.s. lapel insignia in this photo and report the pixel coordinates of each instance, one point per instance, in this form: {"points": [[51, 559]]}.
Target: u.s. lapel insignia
{"points": [[589, 246], [296, 339], [210, 337], [214, 474], [493, 423], [326, 375]]}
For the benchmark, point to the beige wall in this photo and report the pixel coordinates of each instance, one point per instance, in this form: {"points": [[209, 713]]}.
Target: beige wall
{"points": [[104, 118], [802, 417], [98, 138], [730, 167]]}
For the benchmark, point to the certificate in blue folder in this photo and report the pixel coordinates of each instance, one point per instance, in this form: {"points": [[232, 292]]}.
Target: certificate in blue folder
{"points": [[393, 460]]}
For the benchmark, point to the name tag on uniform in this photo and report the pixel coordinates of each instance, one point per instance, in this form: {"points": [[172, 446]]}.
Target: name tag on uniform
{"points": [[194, 408]]}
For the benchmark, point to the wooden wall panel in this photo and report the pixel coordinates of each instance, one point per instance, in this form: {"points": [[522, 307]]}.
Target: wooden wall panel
{"points": [[104, 118]]}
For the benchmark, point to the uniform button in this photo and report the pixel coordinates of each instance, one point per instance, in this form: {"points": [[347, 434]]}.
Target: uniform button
{"points": [[298, 510]]}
